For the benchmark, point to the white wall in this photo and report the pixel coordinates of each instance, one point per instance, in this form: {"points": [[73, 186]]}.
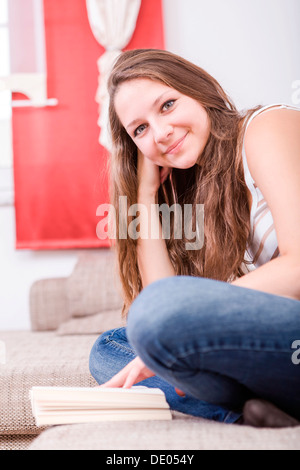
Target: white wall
{"points": [[19, 269], [251, 47]]}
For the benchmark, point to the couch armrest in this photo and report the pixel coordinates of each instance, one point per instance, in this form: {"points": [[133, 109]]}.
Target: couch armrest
{"points": [[48, 304], [91, 288]]}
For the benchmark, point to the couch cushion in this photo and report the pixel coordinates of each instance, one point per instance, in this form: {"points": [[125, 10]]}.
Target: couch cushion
{"points": [[38, 359], [182, 433], [48, 304], [94, 286], [16, 442], [92, 324]]}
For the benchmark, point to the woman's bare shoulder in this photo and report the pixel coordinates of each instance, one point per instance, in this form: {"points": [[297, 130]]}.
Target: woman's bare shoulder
{"points": [[275, 126]]}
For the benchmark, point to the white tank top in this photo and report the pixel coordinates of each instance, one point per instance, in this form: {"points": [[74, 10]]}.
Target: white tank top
{"points": [[263, 245]]}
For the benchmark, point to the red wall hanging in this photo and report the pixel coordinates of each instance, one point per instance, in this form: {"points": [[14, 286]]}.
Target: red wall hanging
{"points": [[59, 166]]}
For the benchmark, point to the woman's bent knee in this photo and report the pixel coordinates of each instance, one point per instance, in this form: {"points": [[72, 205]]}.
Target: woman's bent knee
{"points": [[153, 314], [164, 304], [144, 317], [110, 353]]}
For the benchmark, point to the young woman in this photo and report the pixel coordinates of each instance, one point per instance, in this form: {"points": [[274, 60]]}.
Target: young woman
{"points": [[213, 327]]}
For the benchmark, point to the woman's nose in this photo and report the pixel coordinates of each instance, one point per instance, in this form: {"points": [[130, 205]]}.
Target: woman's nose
{"points": [[162, 132]]}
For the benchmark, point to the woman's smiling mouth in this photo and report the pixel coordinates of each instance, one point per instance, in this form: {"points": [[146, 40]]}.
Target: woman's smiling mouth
{"points": [[176, 146]]}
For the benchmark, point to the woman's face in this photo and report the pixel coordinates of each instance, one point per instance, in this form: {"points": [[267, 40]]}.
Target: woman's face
{"points": [[169, 128]]}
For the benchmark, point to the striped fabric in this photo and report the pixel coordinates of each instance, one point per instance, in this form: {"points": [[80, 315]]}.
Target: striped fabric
{"points": [[263, 245]]}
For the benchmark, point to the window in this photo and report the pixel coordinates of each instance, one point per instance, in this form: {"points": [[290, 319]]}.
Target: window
{"points": [[22, 69], [5, 95], [6, 180]]}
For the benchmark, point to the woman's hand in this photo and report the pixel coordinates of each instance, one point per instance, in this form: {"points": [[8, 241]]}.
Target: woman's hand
{"points": [[134, 372], [150, 176]]}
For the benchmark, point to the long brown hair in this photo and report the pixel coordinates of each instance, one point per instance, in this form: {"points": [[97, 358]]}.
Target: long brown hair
{"points": [[218, 182]]}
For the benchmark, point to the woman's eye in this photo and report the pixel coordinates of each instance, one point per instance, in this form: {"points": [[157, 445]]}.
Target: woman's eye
{"points": [[168, 105], [139, 130]]}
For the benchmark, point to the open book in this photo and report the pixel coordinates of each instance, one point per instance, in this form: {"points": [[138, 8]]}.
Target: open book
{"points": [[66, 405]]}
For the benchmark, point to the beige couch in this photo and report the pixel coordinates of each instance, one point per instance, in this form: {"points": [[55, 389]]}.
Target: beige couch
{"points": [[67, 315]]}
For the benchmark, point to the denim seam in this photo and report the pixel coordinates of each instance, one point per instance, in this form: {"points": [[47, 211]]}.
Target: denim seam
{"points": [[116, 345]]}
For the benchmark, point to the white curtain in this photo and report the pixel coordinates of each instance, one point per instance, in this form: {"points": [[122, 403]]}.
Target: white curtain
{"points": [[113, 23]]}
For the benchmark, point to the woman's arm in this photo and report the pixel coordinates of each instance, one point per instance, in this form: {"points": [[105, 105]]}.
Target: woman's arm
{"points": [[272, 145], [153, 258]]}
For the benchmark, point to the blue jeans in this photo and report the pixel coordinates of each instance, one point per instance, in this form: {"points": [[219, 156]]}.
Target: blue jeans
{"points": [[220, 344]]}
